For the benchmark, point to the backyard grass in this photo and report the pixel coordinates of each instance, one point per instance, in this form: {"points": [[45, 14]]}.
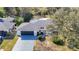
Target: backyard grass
{"points": [[7, 45]]}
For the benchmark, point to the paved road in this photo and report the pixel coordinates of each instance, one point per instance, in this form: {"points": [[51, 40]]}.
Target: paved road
{"points": [[23, 45]]}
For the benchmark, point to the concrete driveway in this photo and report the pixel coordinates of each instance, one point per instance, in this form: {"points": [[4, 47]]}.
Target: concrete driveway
{"points": [[23, 45]]}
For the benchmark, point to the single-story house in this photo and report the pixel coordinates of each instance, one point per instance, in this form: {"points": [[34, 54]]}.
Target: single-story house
{"points": [[34, 26], [5, 26]]}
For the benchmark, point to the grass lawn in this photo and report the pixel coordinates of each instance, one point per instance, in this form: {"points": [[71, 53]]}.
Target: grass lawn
{"points": [[7, 45]]}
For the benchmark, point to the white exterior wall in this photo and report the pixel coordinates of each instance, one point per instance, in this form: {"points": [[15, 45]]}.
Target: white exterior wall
{"points": [[19, 33], [35, 33]]}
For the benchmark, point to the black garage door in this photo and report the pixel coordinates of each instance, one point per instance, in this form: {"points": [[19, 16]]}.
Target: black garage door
{"points": [[27, 32]]}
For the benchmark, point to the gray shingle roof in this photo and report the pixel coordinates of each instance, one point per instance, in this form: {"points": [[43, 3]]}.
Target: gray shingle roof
{"points": [[34, 25], [7, 19], [5, 26]]}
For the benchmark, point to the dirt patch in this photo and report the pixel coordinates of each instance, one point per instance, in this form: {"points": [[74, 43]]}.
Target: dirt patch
{"points": [[48, 45]]}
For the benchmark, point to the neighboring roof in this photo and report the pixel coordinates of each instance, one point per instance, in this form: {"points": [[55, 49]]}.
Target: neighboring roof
{"points": [[5, 26], [7, 19], [6, 23], [9, 24]]}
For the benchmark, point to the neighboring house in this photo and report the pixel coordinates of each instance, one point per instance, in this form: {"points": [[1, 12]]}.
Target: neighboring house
{"points": [[34, 26], [6, 25]]}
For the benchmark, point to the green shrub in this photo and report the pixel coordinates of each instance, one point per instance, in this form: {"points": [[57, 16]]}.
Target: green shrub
{"points": [[77, 44], [72, 43], [1, 40], [1, 14], [18, 20], [28, 17], [58, 41], [41, 38], [8, 34]]}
